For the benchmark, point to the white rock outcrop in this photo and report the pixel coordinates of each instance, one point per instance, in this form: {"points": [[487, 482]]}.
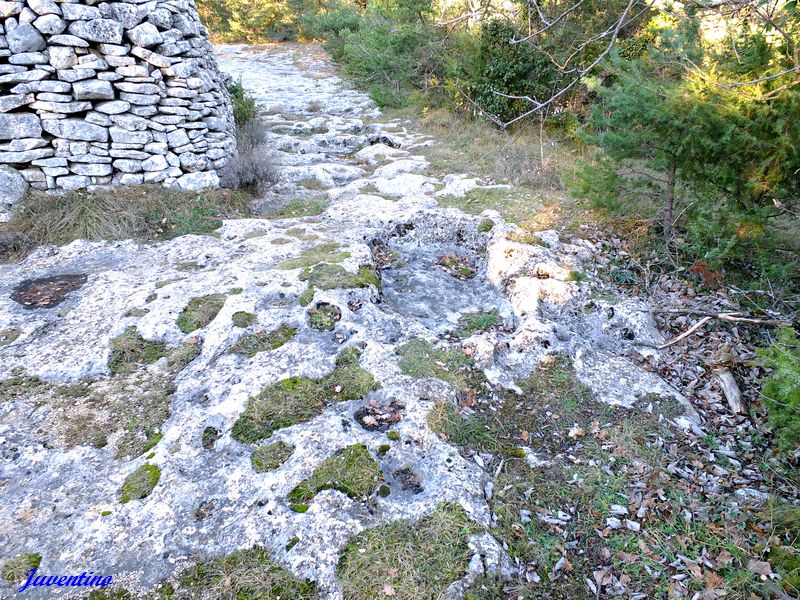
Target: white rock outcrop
{"points": [[117, 92]]}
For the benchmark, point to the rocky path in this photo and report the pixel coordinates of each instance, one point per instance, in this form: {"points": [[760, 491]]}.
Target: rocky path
{"points": [[382, 266]]}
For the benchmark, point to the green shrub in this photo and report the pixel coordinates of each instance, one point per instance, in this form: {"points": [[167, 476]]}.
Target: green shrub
{"points": [[781, 388]]}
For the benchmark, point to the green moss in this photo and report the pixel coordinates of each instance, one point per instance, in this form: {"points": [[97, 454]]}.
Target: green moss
{"points": [[311, 184], [326, 276], [9, 336], [210, 437], [525, 238], [419, 359], [14, 568], [324, 253], [301, 234], [200, 312], [105, 513], [292, 543], [307, 296], [383, 449], [261, 341], [130, 350], [577, 276], [280, 241], [243, 575], [485, 226], [243, 319], [300, 208], [140, 483], [324, 316], [137, 312], [472, 323], [393, 435], [270, 457], [300, 399], [415, 559], [351, 470], [166, 282], [22, 388]]}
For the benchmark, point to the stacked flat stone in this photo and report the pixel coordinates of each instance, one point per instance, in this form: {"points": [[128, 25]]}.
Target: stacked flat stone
{"points": [[109, 93]]}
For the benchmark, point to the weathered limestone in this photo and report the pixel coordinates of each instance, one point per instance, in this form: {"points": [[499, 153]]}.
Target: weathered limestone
{"points": [[124, 76]]}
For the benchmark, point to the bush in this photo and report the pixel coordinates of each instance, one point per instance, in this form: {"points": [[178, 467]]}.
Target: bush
{"points": [[781, 388]]}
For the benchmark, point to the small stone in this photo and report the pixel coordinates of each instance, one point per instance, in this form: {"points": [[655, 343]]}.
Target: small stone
{"points": [[28, 58], [155, 163], [13, 101], [62, 107], [44, 7], [145, 35], [177, 138], [73, 182], [93, 90], [68, 40], [161, 18], [125, 14], [50, 24], [193, 182], [76, 129], [63, 57], [96, 30], [79, 12], [73, 75], [113, 107], [91, 169], [151, 57], [13, 187], [26, 156], [25, 38], [19, 125], [9, 9]]}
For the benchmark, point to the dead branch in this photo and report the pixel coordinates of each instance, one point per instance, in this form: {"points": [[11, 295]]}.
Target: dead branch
{"points": [[686, 333]]}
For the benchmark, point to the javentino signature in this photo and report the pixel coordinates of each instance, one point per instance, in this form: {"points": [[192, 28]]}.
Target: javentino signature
{"points": [[82, 580]]}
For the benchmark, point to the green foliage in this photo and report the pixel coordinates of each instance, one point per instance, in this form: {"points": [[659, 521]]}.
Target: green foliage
{"points": [[140, 483], [419, 359], [245, 109], [781, 388]]}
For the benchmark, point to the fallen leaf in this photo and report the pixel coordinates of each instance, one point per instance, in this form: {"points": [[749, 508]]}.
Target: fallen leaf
{"points": [[388, 590], [760, 567], [576, 432]]}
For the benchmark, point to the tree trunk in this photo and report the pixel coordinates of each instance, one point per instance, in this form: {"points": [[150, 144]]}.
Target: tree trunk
{"points": [[669, 209]]}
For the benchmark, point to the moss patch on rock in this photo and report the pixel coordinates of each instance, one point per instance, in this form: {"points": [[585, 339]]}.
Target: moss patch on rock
{"points": [[130, 350], [299, 399], [324, 253], [324, 316], [477, 322], [326, 276], [307, 296], [351, 470], [14, 568], [243, 319], [270, 457], [9, 336], [246, 574], [23, 388], [261, 341], [140, 483], [300, 208], [200, 312], [419, 359], [413, 559]]}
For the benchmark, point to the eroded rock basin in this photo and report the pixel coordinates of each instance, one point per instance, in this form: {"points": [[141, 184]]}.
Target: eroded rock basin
{"points": [[167, 316]]}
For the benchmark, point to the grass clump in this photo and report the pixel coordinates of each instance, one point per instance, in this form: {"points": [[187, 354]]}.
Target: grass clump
{"points": [[298, 399], [14, 568], [324, 253], [307, 296], [781, 387], [301, 234], [130, 350], [351, 470], [324, 316], [327, 276], [300, 208], [140, 483], [261, 341], [243, 319], [419, 359], [22, 387], [476, 322], [9, 336], [200, 312], [148, 212], [413, 559], [210, 437], [242, 575], [270, 457], [485, 226]]}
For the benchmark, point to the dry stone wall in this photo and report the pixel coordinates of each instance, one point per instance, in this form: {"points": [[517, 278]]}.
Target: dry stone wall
{"points": [[108, 93]]}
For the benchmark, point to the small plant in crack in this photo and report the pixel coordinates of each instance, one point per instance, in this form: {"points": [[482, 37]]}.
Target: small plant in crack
{"points": [[324, 316], [460, 267]]}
